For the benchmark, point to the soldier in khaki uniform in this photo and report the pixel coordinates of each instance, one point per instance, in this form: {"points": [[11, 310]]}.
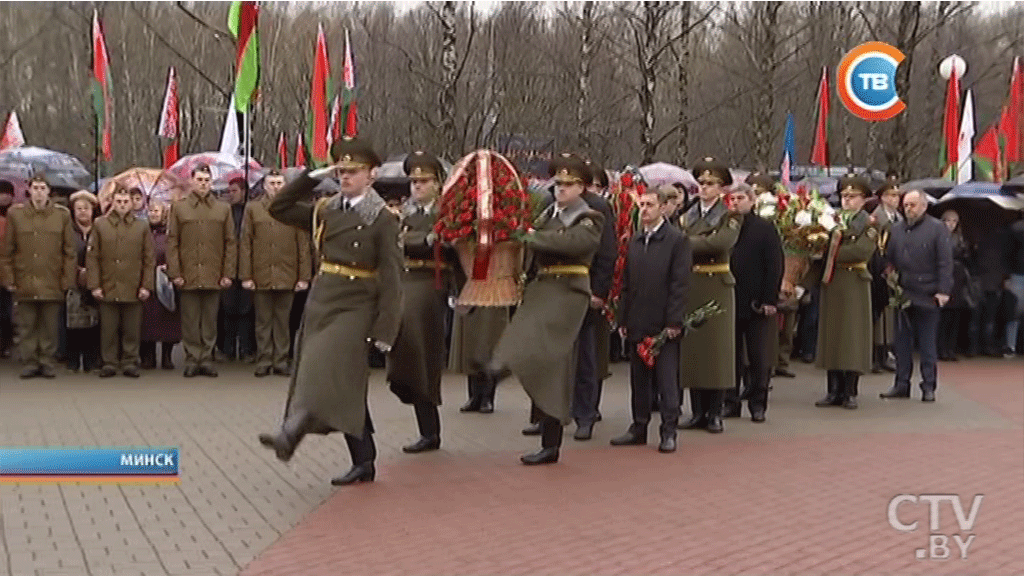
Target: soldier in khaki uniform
{"points": [[274, 261], [201, 260], [355, 302], [845, 329], [417, 361], [119, 266], [38, 259], [539, 345], [707, 362]]}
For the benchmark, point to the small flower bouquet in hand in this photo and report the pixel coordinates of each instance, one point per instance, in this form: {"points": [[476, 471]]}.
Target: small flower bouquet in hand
{"points": [[897, 299], [649, 347]]}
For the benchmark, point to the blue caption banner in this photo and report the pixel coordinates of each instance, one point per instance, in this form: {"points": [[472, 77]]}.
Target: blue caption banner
{"points": [[31, 462]]}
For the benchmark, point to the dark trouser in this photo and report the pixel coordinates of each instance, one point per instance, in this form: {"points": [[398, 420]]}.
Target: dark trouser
{"points": [[950, 322], [787, 333], [662, 379], [6, 320], [238, 335], [753, 343], [983, 324], [550, 428], [199, 325], [273, 308], [38, 325], [362, 450], [83, 348], [807, 330], [480, 388], [917, 325], [842, 384], [587, 392], [427, 419], [295, 318], [706, 402], [120, 327]]}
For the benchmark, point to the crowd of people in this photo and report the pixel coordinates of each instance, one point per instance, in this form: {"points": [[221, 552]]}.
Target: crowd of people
{"points": [[289, 278]]}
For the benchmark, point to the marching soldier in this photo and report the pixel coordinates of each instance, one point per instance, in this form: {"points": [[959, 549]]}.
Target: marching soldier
{"points": [[354, 302], [274, 262], [201, 253], [475, 333], [539, 346], [707, 364], [38, 261], [886, 215], [844, 332], [415, 365], [120, 269]]}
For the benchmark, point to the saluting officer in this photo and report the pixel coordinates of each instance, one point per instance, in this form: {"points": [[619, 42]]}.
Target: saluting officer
{"points": [[539, 345], [354, 302], [274, 262], [415, 365], [707, 364], [845, 330]]}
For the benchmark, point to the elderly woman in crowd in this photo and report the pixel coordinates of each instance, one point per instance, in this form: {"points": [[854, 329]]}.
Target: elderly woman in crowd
{"points": [[82, 315], [158, 323]]}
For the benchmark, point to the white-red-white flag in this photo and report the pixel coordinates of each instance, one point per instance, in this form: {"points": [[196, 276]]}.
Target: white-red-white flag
{"points": [[168, 127], [13, 136]]}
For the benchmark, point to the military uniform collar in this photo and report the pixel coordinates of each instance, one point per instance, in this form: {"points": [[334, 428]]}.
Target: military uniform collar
{"points": [[196, 198], [568, 214], [411, 207], [714, 214], [367, 206], [46, 205], [116, 218]]}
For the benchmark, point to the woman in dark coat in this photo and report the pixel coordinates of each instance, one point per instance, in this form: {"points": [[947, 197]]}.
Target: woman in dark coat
{"points": [[961, 301], [81, 313], [158, 323]]}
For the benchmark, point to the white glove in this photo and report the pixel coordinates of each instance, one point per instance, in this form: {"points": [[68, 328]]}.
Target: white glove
{"points": [[321, 173], [382, 346]]}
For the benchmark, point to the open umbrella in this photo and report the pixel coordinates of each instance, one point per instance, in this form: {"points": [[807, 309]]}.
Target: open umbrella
{"points": [[223, 167], [157, 184], [661, 173], [60, 170], [982, 206], [935, 187]]}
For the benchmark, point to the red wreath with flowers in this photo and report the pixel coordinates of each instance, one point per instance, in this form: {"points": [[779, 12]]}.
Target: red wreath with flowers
{"points": [[483, 201], [629, 188]]}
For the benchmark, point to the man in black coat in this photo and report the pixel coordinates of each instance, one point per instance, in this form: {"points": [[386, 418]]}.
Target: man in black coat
{"points": [[921, 251], [757, 264], [587, 392], [655, 288]]}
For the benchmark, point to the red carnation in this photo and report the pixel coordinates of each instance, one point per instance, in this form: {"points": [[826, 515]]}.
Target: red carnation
{"points": [[627, 180]]}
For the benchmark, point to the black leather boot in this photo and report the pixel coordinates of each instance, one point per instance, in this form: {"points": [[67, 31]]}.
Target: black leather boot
{"points": [[363, 452], [165, 355], [850, 382], [698, 404], [147, 355], [834, 396], [429, 422], [715, 401], [551, 440], [287, 440], [473, 385], [488, 385]]}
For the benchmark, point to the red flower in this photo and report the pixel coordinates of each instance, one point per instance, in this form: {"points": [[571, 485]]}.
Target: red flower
{"points": [[627, 180]]}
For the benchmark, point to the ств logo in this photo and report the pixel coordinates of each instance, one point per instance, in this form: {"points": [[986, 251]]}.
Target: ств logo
{"points": [[866, 81]]}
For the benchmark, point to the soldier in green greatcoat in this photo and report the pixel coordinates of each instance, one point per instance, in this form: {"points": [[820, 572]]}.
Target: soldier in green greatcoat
{"points": [[845, 329], [415, 364], [355, 301], [707, 362], [539, 345]]}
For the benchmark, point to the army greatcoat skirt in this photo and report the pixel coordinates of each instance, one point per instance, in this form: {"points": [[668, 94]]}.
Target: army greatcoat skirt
{"points": [[707, 357], [417, 360]]}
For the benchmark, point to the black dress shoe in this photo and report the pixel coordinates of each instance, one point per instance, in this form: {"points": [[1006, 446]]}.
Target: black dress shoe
{"points": [[630, 438], [424, 444], [208, 371], [30, 372], [850, 403], [715, 425], [472, 406], [830, 400], [262, 371], [280, 444], [486, 407], [107, 372], [894, 392], [543, 456], [190, 372], [584, 431], [928, 396], [695, 423], [668, 444], [47, 372], [131, 372], [784, 373], [532, 429], [757, 416], [732, 412], [359, 473]]}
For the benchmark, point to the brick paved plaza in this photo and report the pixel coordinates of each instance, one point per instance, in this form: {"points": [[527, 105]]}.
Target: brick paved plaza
{"points": [[805, 493]]}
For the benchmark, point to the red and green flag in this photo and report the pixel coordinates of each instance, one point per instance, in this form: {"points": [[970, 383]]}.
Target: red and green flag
{"points": [[300, 152], [819, 153], [950, 128], [320, 95], [987, 156], [1011, 131], [102, 100], [349, 92], [168, 127], [243, 22], [282, 151]]}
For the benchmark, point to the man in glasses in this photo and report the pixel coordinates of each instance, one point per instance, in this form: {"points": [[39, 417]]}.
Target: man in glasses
{"points": [[355, 302], [708, 363]]}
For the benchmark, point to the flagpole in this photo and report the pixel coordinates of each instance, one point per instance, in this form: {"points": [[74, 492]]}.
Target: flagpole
{"points": [[96, 119]]}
